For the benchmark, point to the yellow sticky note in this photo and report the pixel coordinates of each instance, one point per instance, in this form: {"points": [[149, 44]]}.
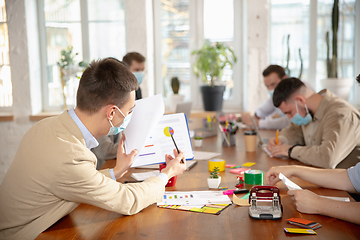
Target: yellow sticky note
{"points": [[209, 210], [197, 209], [299, 230], [248, 164], [240, 202]]}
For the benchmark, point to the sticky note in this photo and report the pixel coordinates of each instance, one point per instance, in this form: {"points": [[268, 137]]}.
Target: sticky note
{"points": [[239, 170], [240, 202], [230, 165], [299, 230], [184, 208], [209, 210], [214, 206], [248, 164], [246, 196], [196, 209]]}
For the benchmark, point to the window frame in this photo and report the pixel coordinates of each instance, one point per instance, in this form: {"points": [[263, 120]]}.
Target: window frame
{"points": [[85, 41], [196, 22], [8, 109], [313, 14]]}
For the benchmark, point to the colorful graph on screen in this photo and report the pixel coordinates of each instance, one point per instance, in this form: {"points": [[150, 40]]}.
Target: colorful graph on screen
{"points": [[168, 131]]}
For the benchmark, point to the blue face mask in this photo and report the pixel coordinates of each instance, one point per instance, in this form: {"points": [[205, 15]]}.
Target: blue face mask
{"points": [[116, 130], [299, 120], [139, 76], [271, 92]]}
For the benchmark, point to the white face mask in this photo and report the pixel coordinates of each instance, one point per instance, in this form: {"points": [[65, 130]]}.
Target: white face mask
{"points": [[116, 130]]}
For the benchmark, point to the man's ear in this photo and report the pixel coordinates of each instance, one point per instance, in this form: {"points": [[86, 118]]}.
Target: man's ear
{"points": [[300, 99], [110, 112]]}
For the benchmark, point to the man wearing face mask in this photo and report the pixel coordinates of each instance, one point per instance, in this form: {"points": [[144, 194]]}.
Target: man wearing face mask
{"points": [[108, 145], [325, 129], [54, 171], [267, 116], [136, 63]]}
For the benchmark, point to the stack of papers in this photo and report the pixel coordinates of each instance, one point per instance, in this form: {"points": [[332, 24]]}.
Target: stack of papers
{"points": [[304, 223]]}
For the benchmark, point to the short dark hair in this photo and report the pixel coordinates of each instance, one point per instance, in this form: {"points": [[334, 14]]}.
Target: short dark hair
{"points": [[105, 81], [274, 69], [133, 56], [285, 89], [358, 78]]}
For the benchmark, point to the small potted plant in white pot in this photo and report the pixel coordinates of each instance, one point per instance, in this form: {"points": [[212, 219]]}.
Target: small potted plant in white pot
{"points": [[198, 141], [214, 180]]}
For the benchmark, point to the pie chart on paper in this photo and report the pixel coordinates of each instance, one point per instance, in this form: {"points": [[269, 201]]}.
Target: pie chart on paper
{"points": [[168, 131]]}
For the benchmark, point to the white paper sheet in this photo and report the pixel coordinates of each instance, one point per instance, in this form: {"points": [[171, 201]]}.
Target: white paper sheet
{"points": [[289, 184], [293, 186], [199, 155], [144, 175], [194, 198], [343, 199], [146, 115], [158, 144]]}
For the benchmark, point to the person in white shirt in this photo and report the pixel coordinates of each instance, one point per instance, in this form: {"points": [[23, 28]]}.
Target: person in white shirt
{"points": [[267, 116]]}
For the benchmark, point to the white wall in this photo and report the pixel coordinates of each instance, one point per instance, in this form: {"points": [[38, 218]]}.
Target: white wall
{"points": [[257, 53], [12, 132]]}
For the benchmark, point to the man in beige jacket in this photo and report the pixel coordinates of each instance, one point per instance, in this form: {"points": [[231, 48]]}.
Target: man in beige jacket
{"points": [[54, 171], [325, 129]]}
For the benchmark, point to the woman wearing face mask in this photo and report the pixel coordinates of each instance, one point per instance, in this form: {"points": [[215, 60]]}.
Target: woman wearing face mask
{"points": [[325, 129]]}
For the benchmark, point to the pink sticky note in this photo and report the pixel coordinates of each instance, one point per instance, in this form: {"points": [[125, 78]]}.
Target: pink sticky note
{"points": [[230, 165], [239, 170]]}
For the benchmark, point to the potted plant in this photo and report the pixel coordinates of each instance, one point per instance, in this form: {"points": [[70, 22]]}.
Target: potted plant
{"points": [[175, 98], [340, 86], [214, 180], [212, 59], [198, 141], [68, 69]]}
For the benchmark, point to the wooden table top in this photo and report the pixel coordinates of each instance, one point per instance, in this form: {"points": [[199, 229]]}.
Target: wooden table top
{"points": [[89, 222]]}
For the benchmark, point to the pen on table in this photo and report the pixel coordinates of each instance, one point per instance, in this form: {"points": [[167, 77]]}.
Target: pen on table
{"points": [[182, 160], [277, 137]]}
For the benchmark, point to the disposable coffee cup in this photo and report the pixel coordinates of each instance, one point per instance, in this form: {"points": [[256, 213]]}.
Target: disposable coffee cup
{"points": [[250, 140]]}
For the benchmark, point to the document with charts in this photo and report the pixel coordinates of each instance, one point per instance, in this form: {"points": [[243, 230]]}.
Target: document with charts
{"points": [[160, 142], [152, 133]]}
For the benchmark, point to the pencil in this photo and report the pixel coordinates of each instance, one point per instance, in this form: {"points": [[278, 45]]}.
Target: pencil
{"points": [[182, 160], [277, 137]]}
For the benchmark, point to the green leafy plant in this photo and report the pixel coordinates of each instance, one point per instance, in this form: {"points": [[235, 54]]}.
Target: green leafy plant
{"points": [[68, 68], [215, 173], [212, 59], [198, 138], [175, 85], [331, 64]]}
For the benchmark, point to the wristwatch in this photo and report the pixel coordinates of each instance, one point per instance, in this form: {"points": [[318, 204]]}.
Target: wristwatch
{"points": [[290, 150]]}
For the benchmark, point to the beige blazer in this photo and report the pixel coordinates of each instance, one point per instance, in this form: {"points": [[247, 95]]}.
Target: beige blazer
{"points": [[53, 172], [330, 137]]}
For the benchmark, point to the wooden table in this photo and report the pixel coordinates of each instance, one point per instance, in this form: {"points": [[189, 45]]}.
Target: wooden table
{"points": [[89, 222]]}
